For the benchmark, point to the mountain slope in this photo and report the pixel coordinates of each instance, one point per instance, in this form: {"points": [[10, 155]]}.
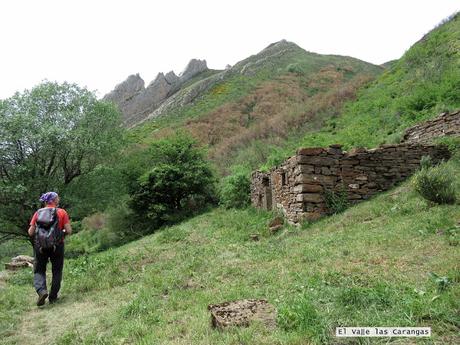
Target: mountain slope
{"points": [[279, 92]]}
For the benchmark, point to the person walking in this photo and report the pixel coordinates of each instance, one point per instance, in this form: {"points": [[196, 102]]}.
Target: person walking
{"points": [[48, 227]]}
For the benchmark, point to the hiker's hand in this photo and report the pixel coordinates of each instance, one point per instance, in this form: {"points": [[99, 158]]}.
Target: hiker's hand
{"points": [[31, 231]]}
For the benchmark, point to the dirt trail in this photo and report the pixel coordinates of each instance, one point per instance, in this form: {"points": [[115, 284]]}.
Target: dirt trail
{"points": [[40, 326]]}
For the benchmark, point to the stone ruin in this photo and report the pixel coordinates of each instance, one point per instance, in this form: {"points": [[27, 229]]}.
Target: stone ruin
{"points": [[299, 187]]}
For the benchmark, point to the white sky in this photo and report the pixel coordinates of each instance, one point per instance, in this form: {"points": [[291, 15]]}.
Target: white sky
{"points": [[98, 43]]}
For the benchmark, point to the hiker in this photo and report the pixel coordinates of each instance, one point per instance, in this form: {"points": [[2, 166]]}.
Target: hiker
{"points": [[49, 226]]}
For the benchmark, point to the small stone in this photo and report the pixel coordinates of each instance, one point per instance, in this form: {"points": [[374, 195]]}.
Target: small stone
{"points": [[357, 150], [276, 221], [254, 237], [275, 229], [312, 216]]}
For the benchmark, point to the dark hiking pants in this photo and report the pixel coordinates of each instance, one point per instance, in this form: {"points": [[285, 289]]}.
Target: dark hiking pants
{"points": [[57, 262]]}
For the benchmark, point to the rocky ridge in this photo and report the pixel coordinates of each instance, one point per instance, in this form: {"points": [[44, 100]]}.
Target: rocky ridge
{"points": [[169, 92], [137, 101]]}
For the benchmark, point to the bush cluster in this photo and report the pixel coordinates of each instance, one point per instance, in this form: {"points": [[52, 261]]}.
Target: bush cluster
{"points": [[436, 184], [234, 191], [180, 183]]}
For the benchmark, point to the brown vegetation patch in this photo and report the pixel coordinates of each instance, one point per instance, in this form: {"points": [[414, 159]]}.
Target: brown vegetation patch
{"points": [[273, 111]]}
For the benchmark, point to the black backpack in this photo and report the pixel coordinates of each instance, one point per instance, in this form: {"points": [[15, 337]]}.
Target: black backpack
{"points": [[47, 233]]}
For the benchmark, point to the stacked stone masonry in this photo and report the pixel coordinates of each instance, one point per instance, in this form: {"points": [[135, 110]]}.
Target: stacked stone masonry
{"points": [[299, 186], [446, 124]]}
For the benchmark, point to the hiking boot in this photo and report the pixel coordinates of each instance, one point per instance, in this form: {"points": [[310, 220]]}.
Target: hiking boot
{"points": [[52, 300], [41, 298]]}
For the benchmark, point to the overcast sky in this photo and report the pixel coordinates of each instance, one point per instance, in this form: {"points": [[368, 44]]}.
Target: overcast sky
{"points": [[98, 43]]}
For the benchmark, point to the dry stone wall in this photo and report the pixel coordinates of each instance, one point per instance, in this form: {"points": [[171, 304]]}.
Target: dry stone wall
{"points": [[444, 124], [299, 186]]}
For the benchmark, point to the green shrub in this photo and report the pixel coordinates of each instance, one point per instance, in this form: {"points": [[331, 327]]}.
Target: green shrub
{"points": [[394, 138], [120, 220], [234, 191], [295, 68], [11, 248], [436, 184], [452, 143], [180, 183], [426, 162], [442, 283]]}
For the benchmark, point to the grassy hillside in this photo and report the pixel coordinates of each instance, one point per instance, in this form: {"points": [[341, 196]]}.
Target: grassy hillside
{"points": [[369, 266]]}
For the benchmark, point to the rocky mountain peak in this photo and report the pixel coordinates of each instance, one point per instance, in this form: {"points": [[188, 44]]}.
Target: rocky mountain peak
{"points": [[194, 67], [132, 85], [171, 77], [136, 101], [281, 45], [159, 79]]}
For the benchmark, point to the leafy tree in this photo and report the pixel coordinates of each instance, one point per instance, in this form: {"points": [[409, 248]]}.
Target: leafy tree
{"points": [[49, 136], [180, 182], [97, 190]]}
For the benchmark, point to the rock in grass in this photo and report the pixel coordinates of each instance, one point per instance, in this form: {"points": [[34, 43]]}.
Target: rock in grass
{"points": [[275, 229], [14, 266], [276, 221], [242, 312], [275, 225], [254, 237], [20, 261], [23, 258]]}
